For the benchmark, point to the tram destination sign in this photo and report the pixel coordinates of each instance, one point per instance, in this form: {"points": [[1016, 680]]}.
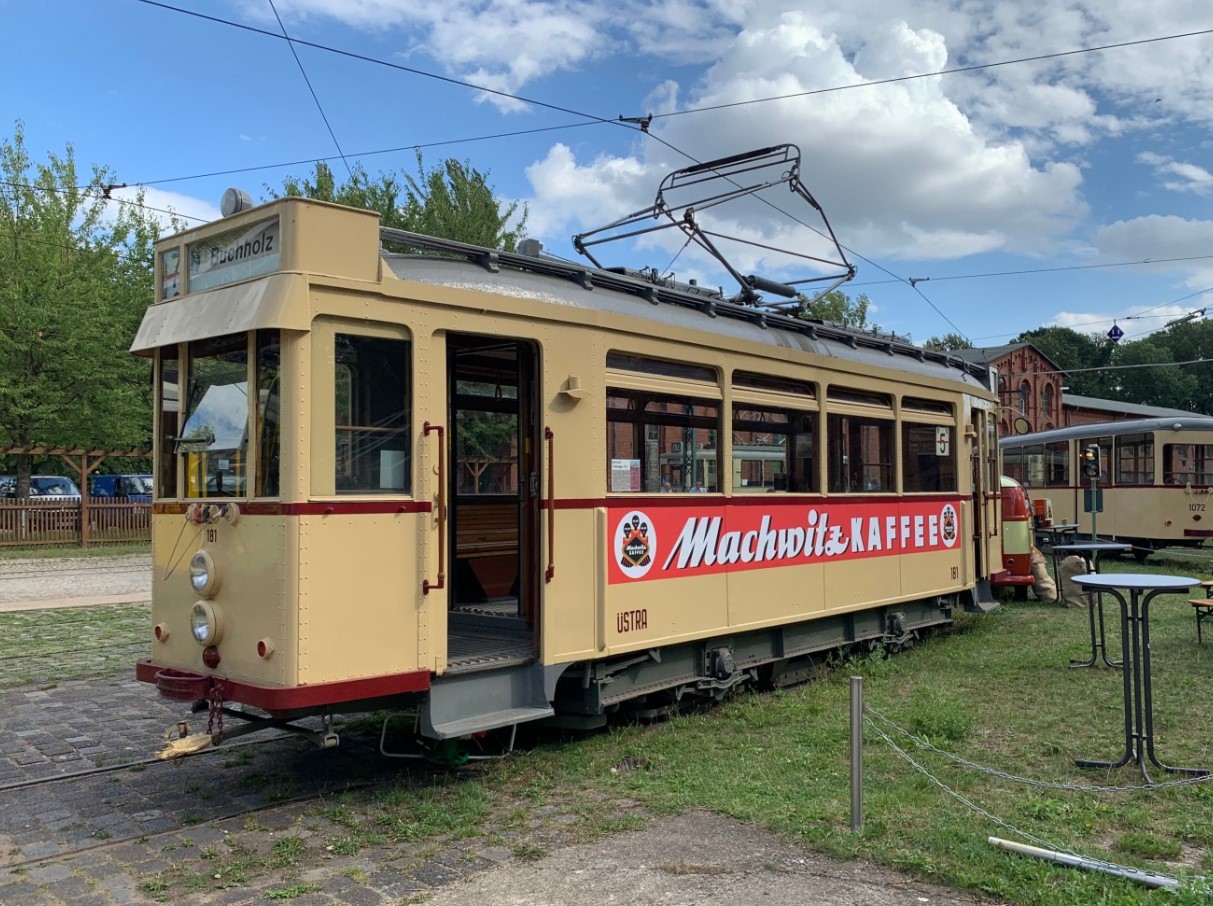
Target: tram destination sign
{"points": [[235, 255]]}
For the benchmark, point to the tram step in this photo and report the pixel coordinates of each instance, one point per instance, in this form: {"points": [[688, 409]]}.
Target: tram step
{"points": [[981, 599], [472, 702]]}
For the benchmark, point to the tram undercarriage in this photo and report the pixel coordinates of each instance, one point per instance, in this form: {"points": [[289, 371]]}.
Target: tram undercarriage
{"points": [[485, 693]]}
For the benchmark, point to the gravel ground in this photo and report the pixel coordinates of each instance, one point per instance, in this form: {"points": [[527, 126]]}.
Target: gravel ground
{"points": [[75, 577]]}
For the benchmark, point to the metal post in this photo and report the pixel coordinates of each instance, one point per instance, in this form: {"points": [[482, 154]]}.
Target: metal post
{"points": [[856, 754], [1094, 507]]}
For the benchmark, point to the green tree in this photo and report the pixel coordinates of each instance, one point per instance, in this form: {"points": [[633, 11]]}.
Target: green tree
{"points": [[75, 275], [453, 201], [949, 342], [1163, 386], [1075, 353], [837, 306]]}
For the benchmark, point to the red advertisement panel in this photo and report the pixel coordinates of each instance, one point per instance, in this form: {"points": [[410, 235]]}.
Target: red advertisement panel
{"points": [[667, 542]]}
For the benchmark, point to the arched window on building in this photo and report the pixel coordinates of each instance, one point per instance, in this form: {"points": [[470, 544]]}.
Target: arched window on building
{"points": [[1046, 401], [1025, 392]]}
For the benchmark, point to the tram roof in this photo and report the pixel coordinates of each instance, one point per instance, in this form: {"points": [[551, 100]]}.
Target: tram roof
{"points": [[463, 266], [1105, 429]]}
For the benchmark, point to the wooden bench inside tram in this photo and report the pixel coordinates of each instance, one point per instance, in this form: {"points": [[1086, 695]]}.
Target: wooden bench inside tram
{"points": [[486, 551]]}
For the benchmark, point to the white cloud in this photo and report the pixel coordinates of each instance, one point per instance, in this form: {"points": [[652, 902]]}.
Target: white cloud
{"points": [[1178, 176], [899, 169]]}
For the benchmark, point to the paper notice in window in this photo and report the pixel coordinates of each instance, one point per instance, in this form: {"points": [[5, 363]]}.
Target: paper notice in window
{"points": [[625, 474]]}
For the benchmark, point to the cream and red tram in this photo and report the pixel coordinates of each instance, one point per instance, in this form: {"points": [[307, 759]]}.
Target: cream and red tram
{"points": [[1155, 481], [491, 487]]}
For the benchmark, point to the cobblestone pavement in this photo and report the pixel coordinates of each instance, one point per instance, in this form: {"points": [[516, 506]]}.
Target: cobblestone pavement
{"points": [[270, 817]]}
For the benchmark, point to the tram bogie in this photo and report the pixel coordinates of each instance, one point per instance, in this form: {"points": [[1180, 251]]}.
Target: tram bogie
{"points": [[493, 488]]}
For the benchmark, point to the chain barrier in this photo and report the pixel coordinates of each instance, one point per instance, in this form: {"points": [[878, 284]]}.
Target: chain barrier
{"points": [[990, 816], [1029, 781], [215, 697]]}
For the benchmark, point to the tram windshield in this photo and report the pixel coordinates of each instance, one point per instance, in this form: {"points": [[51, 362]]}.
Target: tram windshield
{"points": [[214, 435]]}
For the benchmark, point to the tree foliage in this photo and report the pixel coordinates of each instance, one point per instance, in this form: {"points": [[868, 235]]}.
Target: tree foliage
{"points": [[453, 200], [1096, 367], [838, 307], [75, 275], [949, 342]]}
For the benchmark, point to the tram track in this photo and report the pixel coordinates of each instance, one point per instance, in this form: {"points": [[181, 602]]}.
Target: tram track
{"points": [[139, 764], [191, 825]]}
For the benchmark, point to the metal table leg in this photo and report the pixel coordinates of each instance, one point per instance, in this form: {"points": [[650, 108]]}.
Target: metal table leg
{"points": [[1138, 692], [1149, 695]]}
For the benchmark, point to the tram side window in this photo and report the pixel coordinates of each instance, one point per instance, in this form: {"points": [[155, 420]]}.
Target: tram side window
{"points": [[169, 407], [1057, 463], [269, 433], [861, 454], [772, 449], [1013, 463], [372, 415], [924, 466], [658, 442], [1185, 464], [1135, 459]]}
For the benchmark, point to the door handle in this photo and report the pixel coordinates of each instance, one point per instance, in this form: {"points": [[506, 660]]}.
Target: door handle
{"points": [[426, 584]]}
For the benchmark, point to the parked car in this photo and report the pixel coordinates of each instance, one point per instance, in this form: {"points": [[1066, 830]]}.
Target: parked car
{"points": [[135, 488], [42, 487]]}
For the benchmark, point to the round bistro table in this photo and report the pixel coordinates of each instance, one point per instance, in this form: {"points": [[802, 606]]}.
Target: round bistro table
{"points": [[1135, 655], [1090, 551]]}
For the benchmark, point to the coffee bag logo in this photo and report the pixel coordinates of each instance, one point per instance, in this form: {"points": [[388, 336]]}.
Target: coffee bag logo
{"points": [[635, 544], [948, 523]]}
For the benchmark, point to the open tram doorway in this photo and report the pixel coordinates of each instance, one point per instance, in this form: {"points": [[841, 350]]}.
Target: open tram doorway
{"points": [[494, 493]]}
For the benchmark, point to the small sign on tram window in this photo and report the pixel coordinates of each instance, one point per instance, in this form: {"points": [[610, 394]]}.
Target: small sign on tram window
{"points": [[235, 255], [625, 474], [943, 441], [170, 274]]}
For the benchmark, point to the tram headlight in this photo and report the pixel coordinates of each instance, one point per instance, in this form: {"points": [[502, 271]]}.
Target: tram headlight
{"points": [[204, 577], [206, 623]]}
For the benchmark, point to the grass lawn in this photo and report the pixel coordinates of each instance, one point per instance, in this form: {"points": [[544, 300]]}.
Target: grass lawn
{"points": [[74, 550], [996, 691]]}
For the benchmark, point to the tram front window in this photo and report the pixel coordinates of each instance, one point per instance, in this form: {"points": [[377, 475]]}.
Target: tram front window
{"points": [[214, 435]]}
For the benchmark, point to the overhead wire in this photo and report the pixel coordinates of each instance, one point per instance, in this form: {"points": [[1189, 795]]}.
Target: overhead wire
{"points": [[368, 59], [939, 72], [644, 128], [1045, 270], [303, 72], [105, 196]]}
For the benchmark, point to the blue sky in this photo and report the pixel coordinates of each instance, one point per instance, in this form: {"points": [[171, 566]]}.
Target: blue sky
{"points": [[1088, 161]]}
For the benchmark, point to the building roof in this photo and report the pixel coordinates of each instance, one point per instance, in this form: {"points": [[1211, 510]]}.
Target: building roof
{"points": [[984, 355], [1100, 405]]}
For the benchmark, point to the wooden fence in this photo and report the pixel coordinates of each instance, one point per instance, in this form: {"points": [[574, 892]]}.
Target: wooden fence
{"points": [[111, 520]]}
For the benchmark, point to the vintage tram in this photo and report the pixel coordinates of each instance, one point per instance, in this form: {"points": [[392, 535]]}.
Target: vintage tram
{"points": [[1154, 484], [492, 488]]}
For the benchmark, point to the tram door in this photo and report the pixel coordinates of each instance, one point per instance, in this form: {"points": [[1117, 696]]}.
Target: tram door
{"points": [[494, 491], [987, 540]]}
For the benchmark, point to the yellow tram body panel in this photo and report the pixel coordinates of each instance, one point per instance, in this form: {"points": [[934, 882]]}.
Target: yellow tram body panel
{"points": [[332, 577]]}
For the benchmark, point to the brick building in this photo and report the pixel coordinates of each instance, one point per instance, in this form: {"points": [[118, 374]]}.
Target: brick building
{"points": [[1029, 386]]}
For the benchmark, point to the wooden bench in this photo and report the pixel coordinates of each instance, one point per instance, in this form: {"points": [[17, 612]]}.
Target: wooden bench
{"points": [[486, 529], [1203, 607]]}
